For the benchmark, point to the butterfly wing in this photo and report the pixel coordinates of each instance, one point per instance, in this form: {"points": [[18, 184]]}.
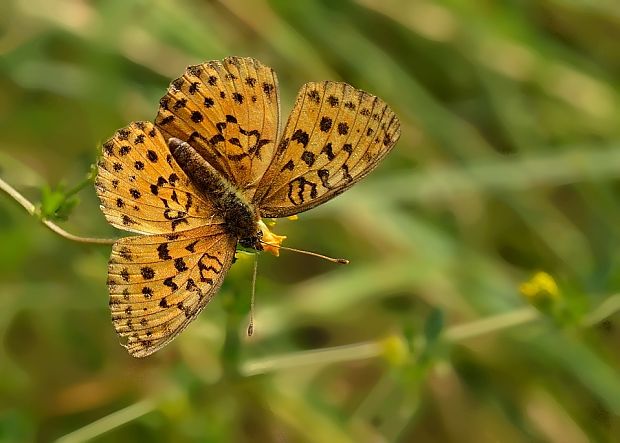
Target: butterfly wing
{"points": [[142, 188], [160, 283], [335, 136], [228, 111]]}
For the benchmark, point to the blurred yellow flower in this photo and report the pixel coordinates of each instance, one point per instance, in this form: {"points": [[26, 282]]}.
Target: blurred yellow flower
{"points": [[395, 350], [540, 290]]}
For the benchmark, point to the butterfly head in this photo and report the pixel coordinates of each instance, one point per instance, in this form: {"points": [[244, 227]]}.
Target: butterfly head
{"points": [[264, 240]]}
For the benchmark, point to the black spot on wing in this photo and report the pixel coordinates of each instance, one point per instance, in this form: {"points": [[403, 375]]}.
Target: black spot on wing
{"points": [[325, 124], [301, 136], [193, 88], [328, 150], [171, 284], [180, 265], [308, 157], [324, 176], [147, 292], [314, 96], [191, 247], [163, 252], [178, 83], [181, 103], [166, 120], [108, 147], [288, 166], [196, 117], [147, 273], [123, 134], [267, 89]]}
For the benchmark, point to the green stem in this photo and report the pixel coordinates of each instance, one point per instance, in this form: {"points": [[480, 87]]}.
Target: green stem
{"points": [[109, 422], [31, 209], [90, 177], [458, 333], [231, 351]]}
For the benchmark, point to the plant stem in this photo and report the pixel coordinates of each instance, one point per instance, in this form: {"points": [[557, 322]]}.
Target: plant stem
{"points": [[109, 422], [458, 333], [491, 324], [81, 185], [31, 209], [358, 351]]}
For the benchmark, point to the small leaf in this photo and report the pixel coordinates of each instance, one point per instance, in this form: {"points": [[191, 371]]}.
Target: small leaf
{"points": [[55, 203], [433, 326], [409, 333]]}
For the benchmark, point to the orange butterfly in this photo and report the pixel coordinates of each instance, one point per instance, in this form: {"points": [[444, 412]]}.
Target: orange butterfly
{"points": [[199, 181]]}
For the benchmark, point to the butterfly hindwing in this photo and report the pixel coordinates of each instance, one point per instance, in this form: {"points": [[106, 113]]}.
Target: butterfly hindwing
{"points": [[159, 283], [228, 111], [141, 187], [335, 135]]}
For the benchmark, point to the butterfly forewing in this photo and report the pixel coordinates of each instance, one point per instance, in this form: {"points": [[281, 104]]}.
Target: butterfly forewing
{"points": [[159, 283], [141, 187], [335, 135], [228, 111]]}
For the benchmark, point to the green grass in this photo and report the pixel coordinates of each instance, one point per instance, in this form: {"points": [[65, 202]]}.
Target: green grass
{"points": [[508, 164]]}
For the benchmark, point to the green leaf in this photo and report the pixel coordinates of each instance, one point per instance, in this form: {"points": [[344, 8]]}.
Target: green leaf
{"points": [[433, 326], [56, 203]]}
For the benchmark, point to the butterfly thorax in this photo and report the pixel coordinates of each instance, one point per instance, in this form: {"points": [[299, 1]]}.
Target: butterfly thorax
{"points": [[240, 217]]}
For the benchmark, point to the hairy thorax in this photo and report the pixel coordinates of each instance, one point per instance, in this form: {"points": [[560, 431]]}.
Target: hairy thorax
{"points": [[240, 217]]}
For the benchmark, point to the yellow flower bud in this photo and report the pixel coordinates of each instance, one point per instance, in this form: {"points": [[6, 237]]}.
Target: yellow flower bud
{"points": [[541, 290], [395, 350]]}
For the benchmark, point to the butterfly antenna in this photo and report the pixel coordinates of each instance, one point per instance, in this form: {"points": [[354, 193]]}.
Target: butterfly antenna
{"points": [[251, 324], [341, 261]]}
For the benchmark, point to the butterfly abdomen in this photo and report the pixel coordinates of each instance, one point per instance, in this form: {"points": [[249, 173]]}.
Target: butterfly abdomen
{"points": [[240, 218]]}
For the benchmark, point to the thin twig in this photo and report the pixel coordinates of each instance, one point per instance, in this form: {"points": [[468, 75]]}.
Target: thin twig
{"points": [[109, 422], [491, 324], [606, 309], [357, 351], [372, 349], [90, 177], [31, 209]]}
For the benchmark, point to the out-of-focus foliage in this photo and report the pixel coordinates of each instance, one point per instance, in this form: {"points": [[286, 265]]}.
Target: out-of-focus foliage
{"points": [[508, 164]]}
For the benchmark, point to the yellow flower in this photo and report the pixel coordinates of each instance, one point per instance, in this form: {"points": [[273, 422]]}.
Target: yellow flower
{"points": [[395, 350], [271, 242], [540, 290]]}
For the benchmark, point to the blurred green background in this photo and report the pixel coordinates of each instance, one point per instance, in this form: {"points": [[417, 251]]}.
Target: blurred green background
{"points": [[508, 164]]}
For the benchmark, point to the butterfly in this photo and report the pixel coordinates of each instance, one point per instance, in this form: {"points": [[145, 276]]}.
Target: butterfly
{"points": [[199, 181]]}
